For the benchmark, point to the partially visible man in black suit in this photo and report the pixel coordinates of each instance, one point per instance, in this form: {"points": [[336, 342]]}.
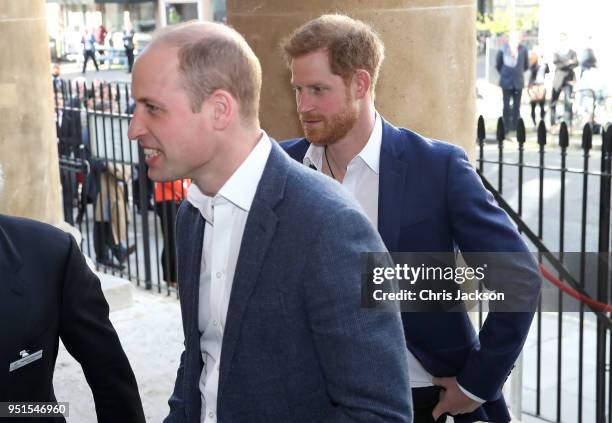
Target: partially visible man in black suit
{"points": [[47, 291]]}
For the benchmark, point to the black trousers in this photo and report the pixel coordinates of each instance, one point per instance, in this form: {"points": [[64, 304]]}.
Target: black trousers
{"points": [[69, 193], [567, 93], [104, 244], [534, 104], [129, 53], [424, 400], [87, 54], [512, 112], [166, 210]]}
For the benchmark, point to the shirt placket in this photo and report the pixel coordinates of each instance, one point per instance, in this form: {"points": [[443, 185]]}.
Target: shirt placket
{"points": [[220, 255]]}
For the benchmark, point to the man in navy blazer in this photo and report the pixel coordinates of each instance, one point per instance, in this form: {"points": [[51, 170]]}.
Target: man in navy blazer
{"points": [[268, 252], [423, 196], [511, 62]]}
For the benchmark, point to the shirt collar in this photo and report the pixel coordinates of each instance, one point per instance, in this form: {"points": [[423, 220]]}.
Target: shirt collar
{"points": [[370, 153], [240, 188]]}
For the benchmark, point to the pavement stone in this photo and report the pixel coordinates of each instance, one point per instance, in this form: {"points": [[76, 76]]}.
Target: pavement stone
{"points": [[152, 336]]}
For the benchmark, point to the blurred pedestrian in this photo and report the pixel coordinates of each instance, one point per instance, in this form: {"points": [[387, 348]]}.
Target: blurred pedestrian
{"points": [[68, 129], [100, 35], [110, 216], [511, 63], [588, 60], [89, 49], [168, 198], [565, 60], [58, 84], [535, 88], [128, 44]]}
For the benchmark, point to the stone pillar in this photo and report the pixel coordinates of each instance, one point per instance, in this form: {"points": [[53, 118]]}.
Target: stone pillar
{"points": [[427, 81], [28, 144], [205, 10]]}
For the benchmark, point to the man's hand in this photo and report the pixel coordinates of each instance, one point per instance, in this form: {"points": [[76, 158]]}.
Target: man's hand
{"points": [[452, 399]]}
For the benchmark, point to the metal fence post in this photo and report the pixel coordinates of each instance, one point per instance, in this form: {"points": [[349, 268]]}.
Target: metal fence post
{"points": [[602, 272], [480, 136], [587, 144], [142, 183], [500, 135]]}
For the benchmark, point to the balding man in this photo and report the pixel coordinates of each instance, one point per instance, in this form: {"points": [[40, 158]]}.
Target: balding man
{"points": [[268, 252]]}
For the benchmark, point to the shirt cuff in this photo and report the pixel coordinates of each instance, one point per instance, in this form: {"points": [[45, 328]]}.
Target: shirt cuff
{"points": [[470, 395]]}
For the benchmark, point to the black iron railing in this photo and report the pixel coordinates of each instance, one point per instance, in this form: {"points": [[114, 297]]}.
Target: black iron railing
{"points": [[560, 204], [106, 191]]}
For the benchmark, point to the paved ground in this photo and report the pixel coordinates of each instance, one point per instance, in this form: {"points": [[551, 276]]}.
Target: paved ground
{"points": [[152, 337]]}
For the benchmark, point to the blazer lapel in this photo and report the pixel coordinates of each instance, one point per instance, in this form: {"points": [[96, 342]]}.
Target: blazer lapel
{"points": [[391, 187], [190, 236], [258, 235], [194, 231]]}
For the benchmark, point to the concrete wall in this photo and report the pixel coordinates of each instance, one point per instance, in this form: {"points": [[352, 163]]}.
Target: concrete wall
{"points": [[28, 147], [427, 81]]}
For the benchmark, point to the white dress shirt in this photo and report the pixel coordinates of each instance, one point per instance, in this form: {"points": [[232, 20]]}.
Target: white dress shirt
{"points": [[362, 181], [226, 215]]}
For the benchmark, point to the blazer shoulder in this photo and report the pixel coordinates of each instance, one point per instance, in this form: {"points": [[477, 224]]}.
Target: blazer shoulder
{"points": [[33, 233], [296, 148], [315, 196], [23, 241], [409, 145]]}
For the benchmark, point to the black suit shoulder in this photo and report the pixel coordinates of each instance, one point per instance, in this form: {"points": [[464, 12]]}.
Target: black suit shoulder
{"points": [[28, 241], [19, 228]]}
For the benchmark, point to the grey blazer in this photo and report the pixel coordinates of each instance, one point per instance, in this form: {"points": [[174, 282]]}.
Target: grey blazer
{"points": [[297, 346]]}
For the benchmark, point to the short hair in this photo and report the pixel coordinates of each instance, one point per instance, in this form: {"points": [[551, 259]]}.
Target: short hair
{"points": [[214, 56], [351, 45]]}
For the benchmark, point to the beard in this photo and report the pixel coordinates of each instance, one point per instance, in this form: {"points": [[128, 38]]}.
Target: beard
{"points": [[332, 128]]}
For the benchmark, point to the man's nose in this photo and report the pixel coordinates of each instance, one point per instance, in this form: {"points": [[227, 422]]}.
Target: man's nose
{"points": [[304, 103], [136, 128]]}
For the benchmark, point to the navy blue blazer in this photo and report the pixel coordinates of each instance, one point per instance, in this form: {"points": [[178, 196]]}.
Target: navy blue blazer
{"points": [[47, 291], [512, 77], [297, 347], [432, 200]]}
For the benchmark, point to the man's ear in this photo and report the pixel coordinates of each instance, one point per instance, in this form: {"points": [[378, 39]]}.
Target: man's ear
{"points": [[362, 81], [224, 107]]}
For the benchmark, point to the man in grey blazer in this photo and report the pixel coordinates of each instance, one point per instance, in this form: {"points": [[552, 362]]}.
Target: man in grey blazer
{"points": [[268, 252]]}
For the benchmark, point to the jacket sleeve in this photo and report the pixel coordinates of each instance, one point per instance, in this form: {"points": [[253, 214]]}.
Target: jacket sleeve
{"points": [[176, 401], [90, 338], [499, 61], [362, 353], [481, 226]]}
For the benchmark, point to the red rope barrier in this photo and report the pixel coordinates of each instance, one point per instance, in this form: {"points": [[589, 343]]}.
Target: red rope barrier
{"points": [[572, 292]]}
